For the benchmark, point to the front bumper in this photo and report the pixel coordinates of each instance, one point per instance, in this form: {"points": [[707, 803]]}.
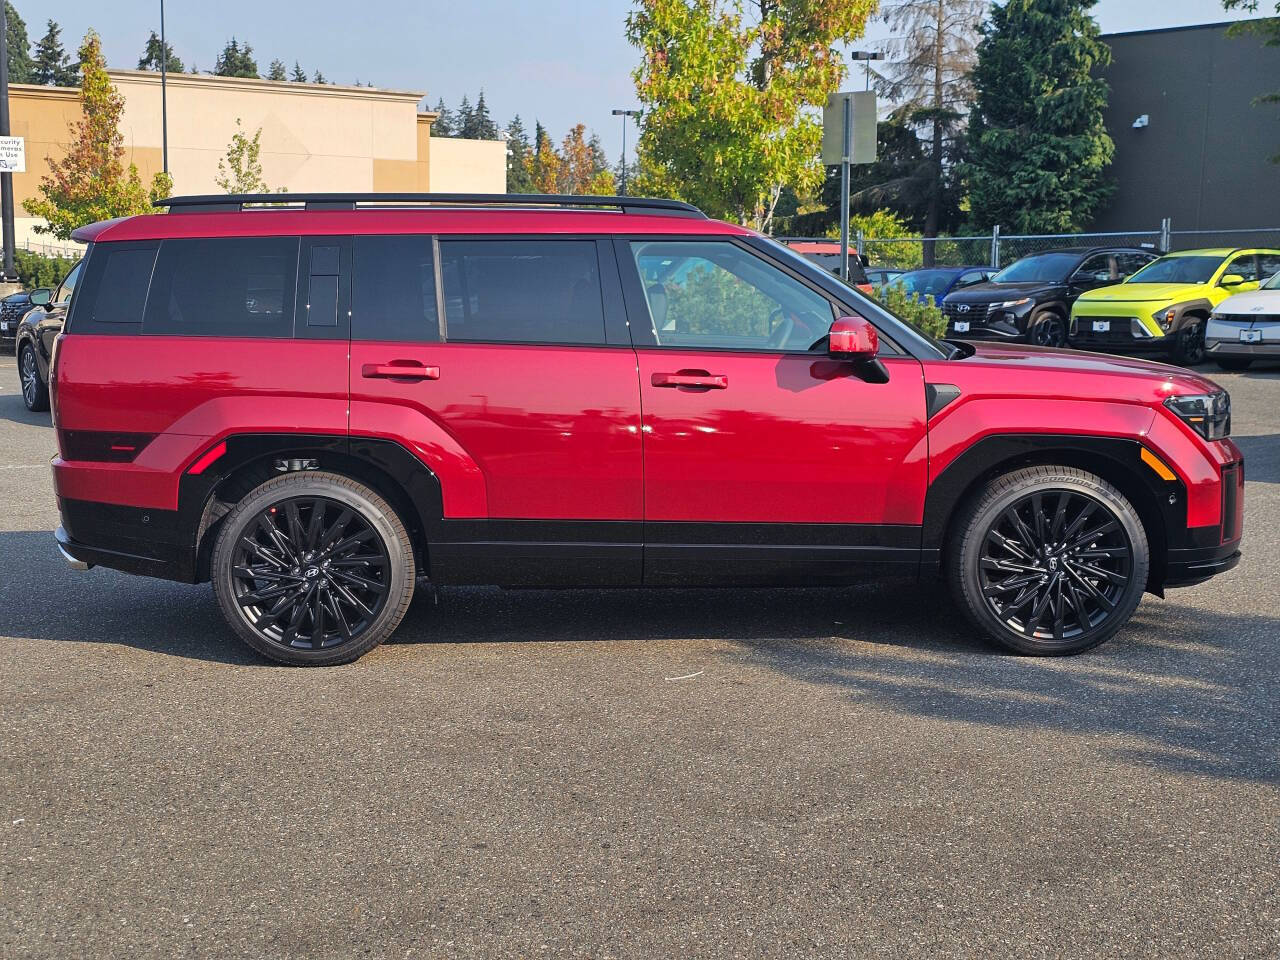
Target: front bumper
{"points": [[1234, 348], [1186, 568]]}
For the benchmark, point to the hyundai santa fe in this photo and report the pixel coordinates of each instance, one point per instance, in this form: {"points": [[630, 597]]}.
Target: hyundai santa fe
{"points": [[317, 403]]}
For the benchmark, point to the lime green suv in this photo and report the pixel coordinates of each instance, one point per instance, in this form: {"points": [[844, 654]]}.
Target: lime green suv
{"points": [[1166, 305]]}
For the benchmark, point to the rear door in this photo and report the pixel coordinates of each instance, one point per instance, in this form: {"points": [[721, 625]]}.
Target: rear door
{"points": [[504, 364], [763, 459]]}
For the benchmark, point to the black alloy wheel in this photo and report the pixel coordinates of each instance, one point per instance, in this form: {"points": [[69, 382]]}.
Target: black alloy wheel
{"points": [[1055, 565], [1049, 560], [35, 395], [313, 569], [1189, 348], [1049, 331]]}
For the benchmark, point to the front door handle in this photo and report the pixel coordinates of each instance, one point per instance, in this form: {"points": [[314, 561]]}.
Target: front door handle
{"points": [[697, 379], [399, 370]]}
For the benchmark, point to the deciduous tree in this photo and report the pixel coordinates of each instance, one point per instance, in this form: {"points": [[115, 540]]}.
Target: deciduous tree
{"points": [[91, 182], [52, 66], [150, 59], [240, 171], [1038, 147], [731, 90]]}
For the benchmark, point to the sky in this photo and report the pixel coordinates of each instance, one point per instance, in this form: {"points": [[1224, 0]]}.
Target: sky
{"points": [[562, 62]]}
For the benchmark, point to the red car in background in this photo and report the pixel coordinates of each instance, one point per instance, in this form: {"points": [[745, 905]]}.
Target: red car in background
{"points": [[317, 404]]}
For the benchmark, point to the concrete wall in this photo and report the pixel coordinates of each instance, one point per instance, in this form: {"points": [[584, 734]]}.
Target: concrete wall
{"points": [[315, 137], [1203, 158], [468, 166]]}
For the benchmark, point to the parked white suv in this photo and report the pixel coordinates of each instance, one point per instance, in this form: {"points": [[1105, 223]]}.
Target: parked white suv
{"points": [[1245, 327]]}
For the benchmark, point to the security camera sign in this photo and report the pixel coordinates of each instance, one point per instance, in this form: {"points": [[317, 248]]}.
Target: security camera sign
{"points": [[13, 155]]}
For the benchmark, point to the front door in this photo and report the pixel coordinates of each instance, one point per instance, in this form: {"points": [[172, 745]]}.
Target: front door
{"points": [[765, 460], [518, 401]]}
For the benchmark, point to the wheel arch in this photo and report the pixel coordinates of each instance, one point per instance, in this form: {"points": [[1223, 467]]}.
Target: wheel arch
{"points": [[1116, 460], [404, 481]]}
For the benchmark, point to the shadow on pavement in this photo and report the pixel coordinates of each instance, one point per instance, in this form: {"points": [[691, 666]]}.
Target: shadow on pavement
{"points": [[1261, 458], [13, 409], [1179, 691]]}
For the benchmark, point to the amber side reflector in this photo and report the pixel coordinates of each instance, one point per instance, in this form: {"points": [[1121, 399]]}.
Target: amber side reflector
{"points": [[1158, 465], [210, 455]]}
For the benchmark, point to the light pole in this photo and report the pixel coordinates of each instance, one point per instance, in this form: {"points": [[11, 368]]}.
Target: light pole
{"points": [[865, 56], [6, 179], [164, 98], [624, 114]]}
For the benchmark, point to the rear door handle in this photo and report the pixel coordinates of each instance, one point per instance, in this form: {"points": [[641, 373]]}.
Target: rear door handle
{"points": [[698, 379], [399, 370]]}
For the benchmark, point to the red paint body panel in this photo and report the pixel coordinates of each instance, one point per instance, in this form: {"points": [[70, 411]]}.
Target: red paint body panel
{"points": [[513, 431], [1019, 389], [791, 439]]}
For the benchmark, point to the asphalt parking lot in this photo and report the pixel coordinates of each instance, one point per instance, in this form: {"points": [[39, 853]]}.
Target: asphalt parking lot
{"points": [[695, 773]]}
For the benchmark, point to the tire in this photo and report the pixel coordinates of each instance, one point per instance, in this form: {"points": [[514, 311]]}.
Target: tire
{"points": [[35, 392], [332, 588], [990, 580], [1234, 363], [1188, 349], [1048, 329]]}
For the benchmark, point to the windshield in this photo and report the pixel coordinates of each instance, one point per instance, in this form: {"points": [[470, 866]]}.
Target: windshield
{"points": [[1177, 270], [1042, 268], [932, 283]]}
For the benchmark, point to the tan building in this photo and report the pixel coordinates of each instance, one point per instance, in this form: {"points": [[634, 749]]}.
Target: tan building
{"points": [[315, 137]]}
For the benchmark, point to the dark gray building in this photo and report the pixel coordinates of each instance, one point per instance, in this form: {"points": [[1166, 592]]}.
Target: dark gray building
{"points": [[1190, 143]]}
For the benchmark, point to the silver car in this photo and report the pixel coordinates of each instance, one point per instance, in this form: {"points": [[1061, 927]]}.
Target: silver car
{"points": [[1245, 327]]}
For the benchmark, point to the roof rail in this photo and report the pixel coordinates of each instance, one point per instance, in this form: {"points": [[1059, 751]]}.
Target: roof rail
{"points": [[210, 203]]}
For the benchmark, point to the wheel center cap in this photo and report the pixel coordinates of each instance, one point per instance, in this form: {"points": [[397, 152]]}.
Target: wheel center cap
{"points": [[312, 572]]}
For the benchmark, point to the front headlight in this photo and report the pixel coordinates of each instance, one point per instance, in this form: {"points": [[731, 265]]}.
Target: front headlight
{"points": [[1208, 414], [1164, 318], [1010, 304]]}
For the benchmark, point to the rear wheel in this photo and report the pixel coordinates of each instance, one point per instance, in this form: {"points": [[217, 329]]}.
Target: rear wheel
{"points": [[1048, 329], [35, 392], [313, 569], [1234, 363], [1049, 560], [1188, 349]]}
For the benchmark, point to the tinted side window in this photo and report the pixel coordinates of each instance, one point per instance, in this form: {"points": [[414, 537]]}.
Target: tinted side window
{"points": [[1246, 266], [522, 291], [228, 286], [1096, 268], [1270, 264], [713, 294], [393, 293], [1130, 263], [113, 293], [68, 285]]}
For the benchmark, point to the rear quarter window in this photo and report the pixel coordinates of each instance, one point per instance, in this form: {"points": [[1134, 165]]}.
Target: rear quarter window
{"points": [[111, 295], [226, 286]]}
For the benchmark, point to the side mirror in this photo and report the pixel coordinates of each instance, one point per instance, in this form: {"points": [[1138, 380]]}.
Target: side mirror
{"points": [[40, 296], [1232, 280], [853, 338]]}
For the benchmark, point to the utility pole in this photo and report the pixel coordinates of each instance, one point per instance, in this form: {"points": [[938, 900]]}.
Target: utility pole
{"points": [[6, 179], [164, 97], [624, 114]]}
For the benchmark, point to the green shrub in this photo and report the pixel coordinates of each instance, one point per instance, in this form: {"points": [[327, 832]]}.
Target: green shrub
{"points": [[37, 270], [920, 313]]}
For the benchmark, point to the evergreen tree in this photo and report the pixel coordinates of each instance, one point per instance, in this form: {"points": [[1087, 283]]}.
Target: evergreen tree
{"points": [[1268, 28], [1037, 143], [478, 125], [444, 125], [519, 180], [277, 71], [150, 59], [236, 61], [462, 119], [21, 69], [52, 66], [318, 77], [299, 75]]}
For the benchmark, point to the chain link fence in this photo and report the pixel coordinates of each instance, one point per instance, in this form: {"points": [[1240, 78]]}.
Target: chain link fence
{"points": [[1000, 250]]}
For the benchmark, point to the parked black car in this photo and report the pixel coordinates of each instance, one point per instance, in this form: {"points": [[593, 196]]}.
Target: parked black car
{"points": [[1030, 300], [12, 308], [36, 333]]}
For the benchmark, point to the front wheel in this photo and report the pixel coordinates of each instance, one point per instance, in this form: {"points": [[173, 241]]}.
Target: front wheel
{"points": [[1188, 349], [1049, 330], [313, 569], [35, 392], [1049, 560]]}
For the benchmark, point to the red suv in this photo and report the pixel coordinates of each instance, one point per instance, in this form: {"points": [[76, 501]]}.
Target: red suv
{"points": [[316, 405]]}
